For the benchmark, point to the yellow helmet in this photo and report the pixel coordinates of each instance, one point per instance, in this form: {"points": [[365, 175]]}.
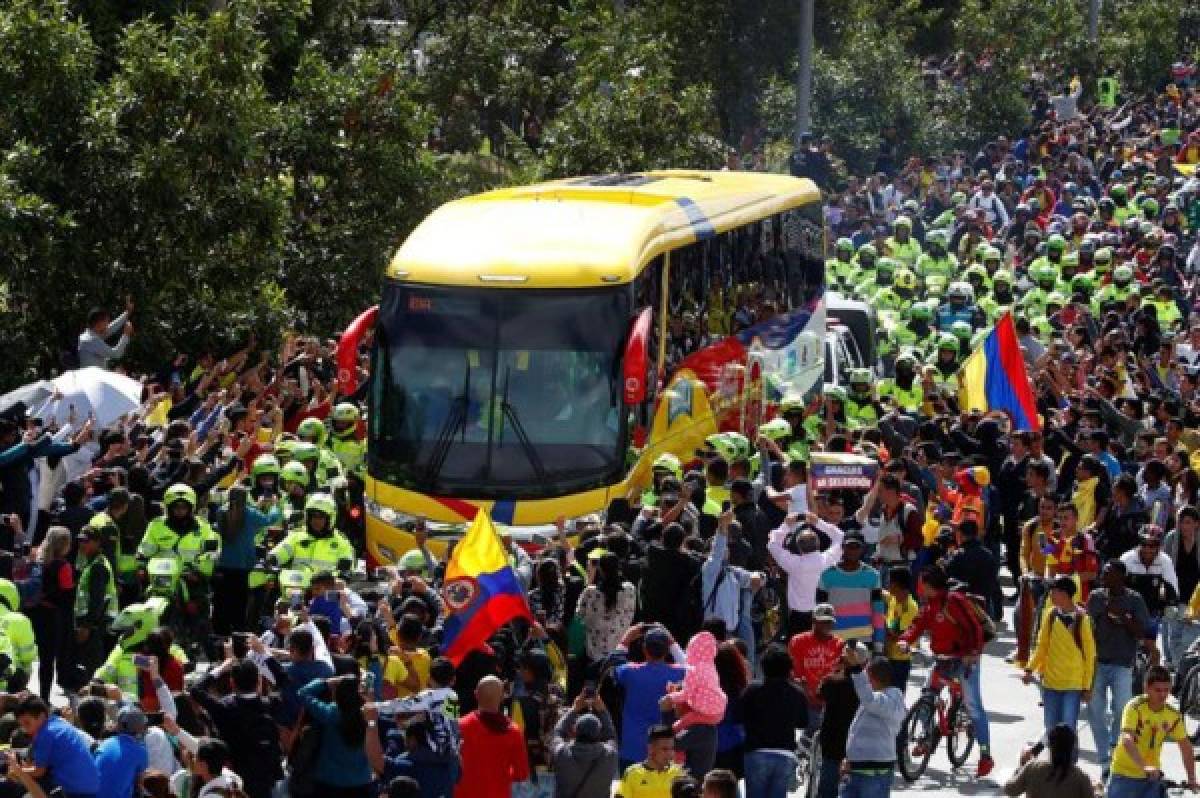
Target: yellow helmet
{"points": [[906, 279]]}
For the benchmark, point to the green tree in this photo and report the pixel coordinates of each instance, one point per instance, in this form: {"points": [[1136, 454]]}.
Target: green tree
{"points": [[358, 179], [624, 108]]}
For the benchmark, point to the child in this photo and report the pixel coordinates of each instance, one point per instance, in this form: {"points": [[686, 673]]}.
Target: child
{"points": [[901, 610], [700, 704], [700, 700]]}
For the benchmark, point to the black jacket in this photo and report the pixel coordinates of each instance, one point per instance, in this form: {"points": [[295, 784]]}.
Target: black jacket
{"points": [[666, 596], [247, 724], [755, 530], [975, 566]]}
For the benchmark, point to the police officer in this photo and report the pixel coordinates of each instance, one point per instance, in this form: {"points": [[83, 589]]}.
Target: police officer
{"points": [[121, 553], [345, 444], [17, 630], [294, 479], [318, 546], [312, 431], [95, 601], [181, 534]]}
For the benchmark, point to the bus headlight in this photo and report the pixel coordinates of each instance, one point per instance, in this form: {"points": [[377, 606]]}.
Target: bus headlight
{"points": [[382, 512]]}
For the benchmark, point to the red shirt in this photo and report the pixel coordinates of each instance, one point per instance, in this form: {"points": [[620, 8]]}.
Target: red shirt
{"points": [[493, 757], [813, 658], [953, 629]]}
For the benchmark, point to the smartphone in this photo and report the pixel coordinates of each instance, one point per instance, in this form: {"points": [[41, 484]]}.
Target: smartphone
{"points": [[141, 661], [241, 644], [725, 505], [297, 600], [589, 690], [154, 718], [369, 682], [333, 595]]}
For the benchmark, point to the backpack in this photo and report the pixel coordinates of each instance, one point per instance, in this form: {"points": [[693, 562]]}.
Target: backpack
{"points": [[1077, 626], [30, 587], [975, 605]]}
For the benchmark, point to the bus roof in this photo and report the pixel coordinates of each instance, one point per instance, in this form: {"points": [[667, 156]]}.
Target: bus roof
{"points": [[585, 232]]}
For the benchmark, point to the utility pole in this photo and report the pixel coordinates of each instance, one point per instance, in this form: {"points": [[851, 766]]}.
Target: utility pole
{"points": [[1093, 21], [804, 74]]}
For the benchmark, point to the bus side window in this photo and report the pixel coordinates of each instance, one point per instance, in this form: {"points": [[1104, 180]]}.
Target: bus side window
{"points": [[647, 292], [721, 296], [772, 256]]}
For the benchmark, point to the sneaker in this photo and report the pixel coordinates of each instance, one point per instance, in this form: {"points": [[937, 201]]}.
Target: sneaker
{"points": [[986, 763]]}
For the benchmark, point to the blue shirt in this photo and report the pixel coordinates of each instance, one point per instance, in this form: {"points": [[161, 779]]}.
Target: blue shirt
{"points": [[120, 760], [339, 763], [237, 551], [62, 750], [644, 683], [300, 674], [1110, 463]]}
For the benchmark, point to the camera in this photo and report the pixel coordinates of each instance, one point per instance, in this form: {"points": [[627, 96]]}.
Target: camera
{"points": [[241, 644]]}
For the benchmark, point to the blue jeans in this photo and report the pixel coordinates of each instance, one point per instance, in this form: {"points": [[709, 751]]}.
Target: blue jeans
{"points": [[1125, 787], [540, 785], [973, 698], [768, 773], [1179, 636], [1060, 706], [860, 785], [1111, 691], [830, 778]]}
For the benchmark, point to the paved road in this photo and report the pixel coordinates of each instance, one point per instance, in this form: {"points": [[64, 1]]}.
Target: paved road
{"points": [[1015, 718]]}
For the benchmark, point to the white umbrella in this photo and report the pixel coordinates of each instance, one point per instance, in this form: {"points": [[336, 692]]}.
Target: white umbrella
{"points": [[30, 395], [91, 391]]}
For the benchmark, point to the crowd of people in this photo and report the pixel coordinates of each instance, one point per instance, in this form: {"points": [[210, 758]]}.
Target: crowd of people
{"points": [[188, 577]]}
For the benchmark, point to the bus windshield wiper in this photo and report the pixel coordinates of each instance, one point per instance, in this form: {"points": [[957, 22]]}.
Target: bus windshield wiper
{"points": [[531, 452], [456, 421]]}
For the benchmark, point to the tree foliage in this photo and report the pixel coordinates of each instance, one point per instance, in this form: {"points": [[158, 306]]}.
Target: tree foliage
{"points": [[237, 165]]}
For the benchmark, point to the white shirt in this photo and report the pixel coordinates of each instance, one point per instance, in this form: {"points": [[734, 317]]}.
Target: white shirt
{"points": [[1162, 566], [804, 570]]}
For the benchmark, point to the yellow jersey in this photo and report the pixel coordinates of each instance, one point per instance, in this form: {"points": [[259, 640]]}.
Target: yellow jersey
{"points": [[1150, 729], [641, 782], [900, 615]]}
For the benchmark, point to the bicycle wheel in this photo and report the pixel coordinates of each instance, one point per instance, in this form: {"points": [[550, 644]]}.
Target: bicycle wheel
{"points": [[918, 737], [814, 768], [962, 734], [806, 776]]}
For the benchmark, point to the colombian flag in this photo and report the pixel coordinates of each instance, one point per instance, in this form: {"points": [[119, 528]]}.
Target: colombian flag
{"points": [[481, 590], [994, 378]]}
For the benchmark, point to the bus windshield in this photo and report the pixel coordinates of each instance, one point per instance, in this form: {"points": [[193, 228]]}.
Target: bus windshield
{"points": [[498, 393]]}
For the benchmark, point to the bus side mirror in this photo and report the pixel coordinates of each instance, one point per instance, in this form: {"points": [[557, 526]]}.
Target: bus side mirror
{"points": [[636, 357]]}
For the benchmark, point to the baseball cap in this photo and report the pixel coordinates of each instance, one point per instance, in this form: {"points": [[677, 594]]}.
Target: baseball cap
{"points": [[824, 612], [853, 539]]}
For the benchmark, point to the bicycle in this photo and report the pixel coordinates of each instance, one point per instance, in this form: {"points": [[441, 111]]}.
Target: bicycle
{"points": [[930, 719]]}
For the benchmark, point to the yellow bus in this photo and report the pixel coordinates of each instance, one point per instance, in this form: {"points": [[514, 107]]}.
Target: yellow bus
{"points": [[528, 337]]}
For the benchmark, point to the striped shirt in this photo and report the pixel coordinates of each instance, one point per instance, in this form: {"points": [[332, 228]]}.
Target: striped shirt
{"points": [[857, 600]]}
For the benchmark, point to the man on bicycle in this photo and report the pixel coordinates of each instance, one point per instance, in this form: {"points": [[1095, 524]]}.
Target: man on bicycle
{"points": [[1147, 722], [954, 631], [1152, 574]]}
